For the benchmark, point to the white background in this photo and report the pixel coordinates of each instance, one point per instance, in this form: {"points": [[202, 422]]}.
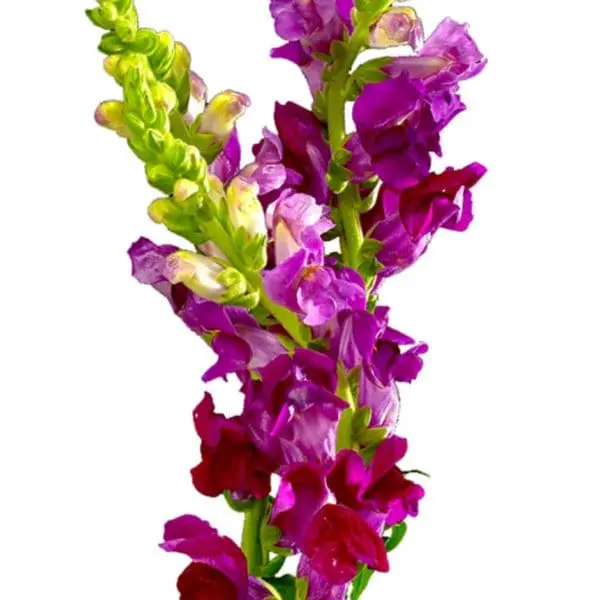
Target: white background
{"points": [[99, 378]]}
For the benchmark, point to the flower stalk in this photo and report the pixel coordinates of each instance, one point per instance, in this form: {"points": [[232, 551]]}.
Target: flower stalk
{"points": [[299, 326]]}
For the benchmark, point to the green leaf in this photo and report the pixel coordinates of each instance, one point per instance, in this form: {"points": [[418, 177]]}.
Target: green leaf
{"points": [[301, 588], [362, 579], [285, 586], [360, 583], [372, 437], [370, 247], [372, 71], [361, 420], [398, 534], [339, 50], [273, 567], [111, 43]]}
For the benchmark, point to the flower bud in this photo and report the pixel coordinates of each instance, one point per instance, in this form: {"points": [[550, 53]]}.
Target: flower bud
{"points": [[111, 114], [397, 27], [111, 65], [164, 96], [198, 88], [184, 188], [205, 276], [244, 207], [221, 114]]}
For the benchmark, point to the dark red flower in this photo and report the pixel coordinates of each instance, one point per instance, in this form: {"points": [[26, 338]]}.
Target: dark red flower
{"points": [[338, 539], [230, 460]]}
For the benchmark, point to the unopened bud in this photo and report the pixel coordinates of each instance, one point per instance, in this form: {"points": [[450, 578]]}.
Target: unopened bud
{"points": [[221, 114], [244, 207], [397, 27], [111, 114]]}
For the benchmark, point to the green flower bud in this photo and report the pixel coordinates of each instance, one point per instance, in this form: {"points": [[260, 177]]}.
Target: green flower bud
{"points": [[111, 114], [184, 188], [111, 65], [126, 28], [146, 41], [159, 209], [164, 96], [108, 11], [164, 54], [155, 141], [160, 177]]}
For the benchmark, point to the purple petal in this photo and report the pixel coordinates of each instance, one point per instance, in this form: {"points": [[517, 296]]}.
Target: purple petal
{"points": [[386, 103]]}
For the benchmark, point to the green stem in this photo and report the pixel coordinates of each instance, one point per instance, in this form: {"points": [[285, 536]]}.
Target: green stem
{"points": [[336, 122], [251, 544]]}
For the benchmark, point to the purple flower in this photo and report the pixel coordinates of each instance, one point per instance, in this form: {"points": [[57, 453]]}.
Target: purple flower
{"points": [[236, 336], [399, 120], [310, 26], [293, 412], [315, 291], [361, 338], [301, 494], [227, 163], [218, 570], [297, 222], [230, 459], [404, 221]]}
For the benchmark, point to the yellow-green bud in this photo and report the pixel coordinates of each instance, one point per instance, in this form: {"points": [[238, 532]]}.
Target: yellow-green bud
{"points": [[111, 114], [221, 114], [184, 188], [164, 96], [244, 207]]}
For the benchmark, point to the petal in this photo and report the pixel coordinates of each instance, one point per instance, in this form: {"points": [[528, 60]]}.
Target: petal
{"points": [[301, 494], [337, 539], [386, 103]]}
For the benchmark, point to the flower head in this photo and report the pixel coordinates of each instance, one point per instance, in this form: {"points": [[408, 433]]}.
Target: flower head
{"points": [[293, 411], [230, 459]]}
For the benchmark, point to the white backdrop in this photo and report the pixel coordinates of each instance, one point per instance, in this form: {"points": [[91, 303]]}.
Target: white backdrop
{"points": [[99, 378]]}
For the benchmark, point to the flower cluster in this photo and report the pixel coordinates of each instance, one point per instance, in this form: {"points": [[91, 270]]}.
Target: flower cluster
{"points": [[279, 269]]}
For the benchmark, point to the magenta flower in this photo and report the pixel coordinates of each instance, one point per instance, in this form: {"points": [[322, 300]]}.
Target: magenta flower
{"points": [[230, 459], [297, 222], [293, 412], [315, 291], [399, 120], [404, 221], [379, 487], [310, 26], [218, 570], [227, 163], [334, 538]]}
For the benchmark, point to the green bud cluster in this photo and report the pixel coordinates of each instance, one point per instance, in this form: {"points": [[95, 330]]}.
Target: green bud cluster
{"points": [[154, 72]]}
